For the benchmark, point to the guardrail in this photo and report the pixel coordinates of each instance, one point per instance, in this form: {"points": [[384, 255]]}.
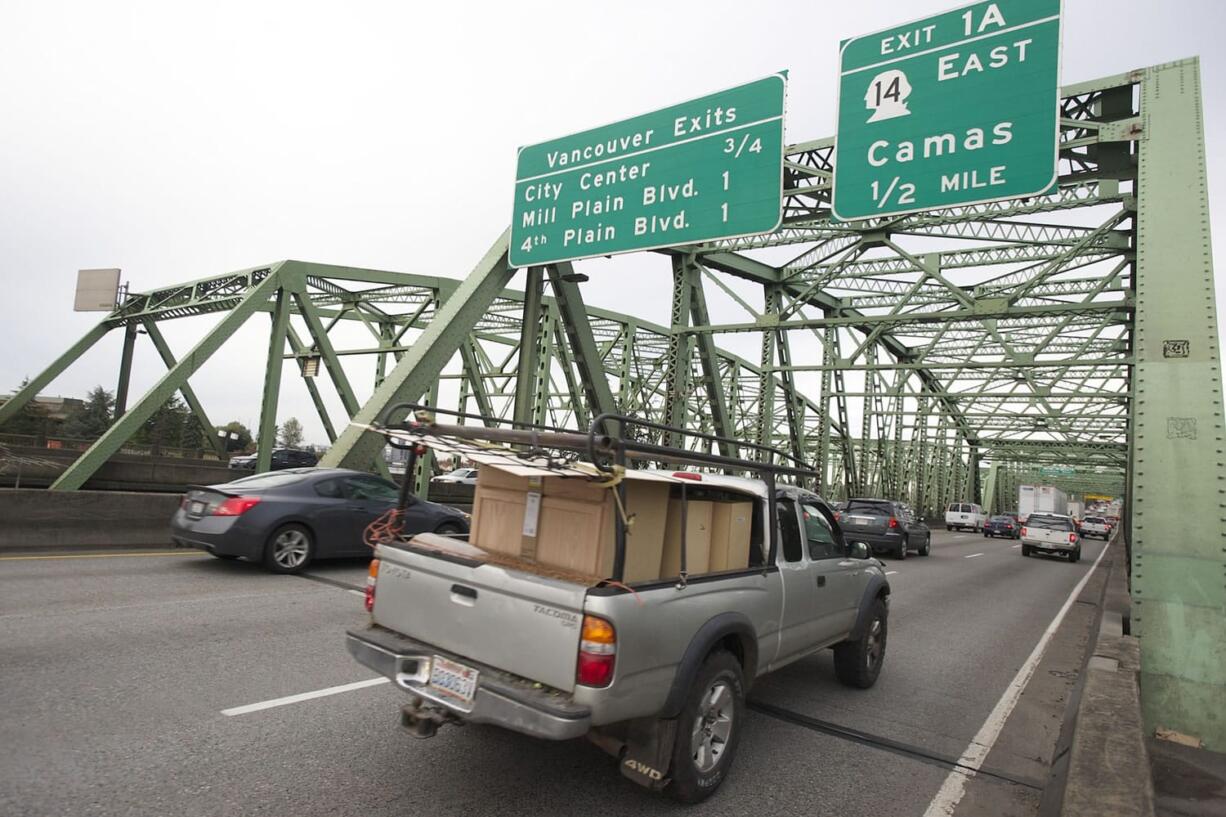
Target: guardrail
{"points": [[58, 443]]}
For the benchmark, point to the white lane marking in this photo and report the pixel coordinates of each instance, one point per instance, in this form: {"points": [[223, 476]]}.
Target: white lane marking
{"points": [[890, 572], [954, 787], [362, 593], [1015, 546], [972, 555], [303, 696]]}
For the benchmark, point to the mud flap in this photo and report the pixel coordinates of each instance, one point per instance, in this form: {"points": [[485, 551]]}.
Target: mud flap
{"points": [[649, 751]]}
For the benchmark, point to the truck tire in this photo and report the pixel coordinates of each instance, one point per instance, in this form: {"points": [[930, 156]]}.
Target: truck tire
{"points": [[857, 663], [1025, 550], [708, 729], [1075, 556]]}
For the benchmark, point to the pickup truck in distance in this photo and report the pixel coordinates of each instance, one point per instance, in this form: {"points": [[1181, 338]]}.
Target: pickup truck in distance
{"points": [[1051, 533], [652, 670], [1095, 526]]}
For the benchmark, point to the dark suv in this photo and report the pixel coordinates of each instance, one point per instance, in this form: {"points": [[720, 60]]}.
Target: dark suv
{"points": [[281, 458], [885, 526]]}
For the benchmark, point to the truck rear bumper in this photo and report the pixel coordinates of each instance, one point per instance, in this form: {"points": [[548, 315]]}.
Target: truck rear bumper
{"points": [[501, 699]]}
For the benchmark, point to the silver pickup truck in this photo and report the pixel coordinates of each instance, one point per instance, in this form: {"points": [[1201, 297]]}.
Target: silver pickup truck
{"points": [[1051, 533], [656, 672]]}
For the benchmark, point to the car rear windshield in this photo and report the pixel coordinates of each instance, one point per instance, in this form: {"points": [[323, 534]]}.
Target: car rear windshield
{"points": [[1049, 523], [273, 479], [873, 507], [1005, 519]]}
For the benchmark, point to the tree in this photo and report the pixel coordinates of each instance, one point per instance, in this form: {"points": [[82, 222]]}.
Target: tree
{"points": [[93, 418], [244, 442], [291, 433], [31, 420], [165, 426]]}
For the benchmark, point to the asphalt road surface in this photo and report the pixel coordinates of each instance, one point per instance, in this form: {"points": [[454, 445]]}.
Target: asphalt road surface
{"points": [[116, 672]]}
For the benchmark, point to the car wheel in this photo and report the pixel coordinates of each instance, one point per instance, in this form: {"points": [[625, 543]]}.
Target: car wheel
{"points": [[901, 553], [708, 729], [858, 663], [289, 549], [449, 529], [926, 548]]}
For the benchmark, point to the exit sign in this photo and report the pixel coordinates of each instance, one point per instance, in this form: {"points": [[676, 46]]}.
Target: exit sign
{"points": [[959, 108], [706, 169]]}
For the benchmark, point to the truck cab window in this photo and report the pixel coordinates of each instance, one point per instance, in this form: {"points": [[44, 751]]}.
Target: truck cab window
{"points": [[789, 531], [820, 537]]}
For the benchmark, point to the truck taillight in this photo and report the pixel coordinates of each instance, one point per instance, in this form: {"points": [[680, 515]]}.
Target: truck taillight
{"points": [[372, 577], [1023, 531], [236, 505], [1072, 538], [893, 522], [597, 653]]}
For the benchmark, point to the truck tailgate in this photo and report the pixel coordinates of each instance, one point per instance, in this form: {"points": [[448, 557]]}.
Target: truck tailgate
{"points": [[524, 624]]}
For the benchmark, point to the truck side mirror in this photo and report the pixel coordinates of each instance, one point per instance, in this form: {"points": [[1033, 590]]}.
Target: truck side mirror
{"points": [[859, 550]]}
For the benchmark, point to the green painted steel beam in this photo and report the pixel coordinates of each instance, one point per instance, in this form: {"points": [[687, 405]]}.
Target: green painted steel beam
{"points": [[189, 394], [300, 350], [1177, 471], [266, 441], [24, 395], [420, 367], [527, 372], [119, 432], [584, 351]]}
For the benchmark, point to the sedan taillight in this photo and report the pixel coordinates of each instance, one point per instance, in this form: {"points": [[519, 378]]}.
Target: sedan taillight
{"points": [[236, 505]]}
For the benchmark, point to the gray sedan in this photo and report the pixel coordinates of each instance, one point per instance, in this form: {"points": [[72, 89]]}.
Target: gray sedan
{"points": [[285, 519]]}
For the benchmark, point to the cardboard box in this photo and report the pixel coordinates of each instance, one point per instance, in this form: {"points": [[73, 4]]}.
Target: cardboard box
{"points": [[569, 523], [697, 535], [731, 526]]}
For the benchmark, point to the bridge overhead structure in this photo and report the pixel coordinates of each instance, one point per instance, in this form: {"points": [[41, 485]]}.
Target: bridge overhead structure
{"points": [[1076, 327], [932, 357]]}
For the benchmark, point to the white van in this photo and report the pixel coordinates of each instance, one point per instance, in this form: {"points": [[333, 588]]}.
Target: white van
{"points": [[964, 515]]}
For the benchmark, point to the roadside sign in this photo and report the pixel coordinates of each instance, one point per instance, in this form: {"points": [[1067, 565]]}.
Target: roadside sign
{"points": [[959, 108], [1057, 471], [705, 169], [97, 290]]}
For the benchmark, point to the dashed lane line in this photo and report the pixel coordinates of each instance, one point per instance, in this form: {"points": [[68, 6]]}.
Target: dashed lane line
{"points": [[98, 555], [303, 696], [1016, 546], [972, 555], [890, 572]]}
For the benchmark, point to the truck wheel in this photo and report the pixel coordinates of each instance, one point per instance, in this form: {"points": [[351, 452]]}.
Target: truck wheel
{"points": [[708, 729], [289, 549], [949, 527], [857, 663], [1025, 550], [1075, 556]]}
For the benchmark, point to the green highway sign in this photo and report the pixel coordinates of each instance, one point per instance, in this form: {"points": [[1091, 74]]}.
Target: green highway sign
{"points": [[706, 169], [960, 108]]}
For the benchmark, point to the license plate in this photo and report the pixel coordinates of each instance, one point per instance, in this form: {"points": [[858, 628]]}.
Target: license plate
{"points": [[453, 680], [198, 508]]}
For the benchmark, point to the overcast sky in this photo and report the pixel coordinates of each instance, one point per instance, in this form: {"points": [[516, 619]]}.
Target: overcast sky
{"points": [[178, 141]]}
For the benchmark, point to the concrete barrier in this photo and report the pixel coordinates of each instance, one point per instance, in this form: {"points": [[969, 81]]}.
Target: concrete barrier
{"points": [[1109, 771], [33, 519]]}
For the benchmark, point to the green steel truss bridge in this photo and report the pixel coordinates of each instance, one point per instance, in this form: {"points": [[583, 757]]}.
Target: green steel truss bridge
{"points": [[931, 357]]}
